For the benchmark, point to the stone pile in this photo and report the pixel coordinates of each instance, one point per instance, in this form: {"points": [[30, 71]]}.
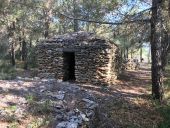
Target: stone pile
{"points": [[95, 58], [74, 107], [131, 64], [76, 118]]}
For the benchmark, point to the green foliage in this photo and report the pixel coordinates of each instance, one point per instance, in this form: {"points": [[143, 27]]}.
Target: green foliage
{"points": [[38, 107], [13, 125], [7, 71], [12, 108], [165, 112], [40, 122], [42, 108], [36, 123], [10, 118], [30, 98], [32, 58], [3, 46], [32, 18], [167, 83], [165, 109]]}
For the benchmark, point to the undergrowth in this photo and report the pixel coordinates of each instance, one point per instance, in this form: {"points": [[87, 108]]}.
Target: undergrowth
{"points": [[42, 109], [165, 109], [7, 72], [165, 112]]}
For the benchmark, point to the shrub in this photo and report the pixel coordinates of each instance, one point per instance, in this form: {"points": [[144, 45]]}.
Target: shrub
{"points": [[32, 58], [7, 71]]}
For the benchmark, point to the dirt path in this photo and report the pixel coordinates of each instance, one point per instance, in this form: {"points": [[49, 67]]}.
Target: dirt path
{"points": [[34, 103]]}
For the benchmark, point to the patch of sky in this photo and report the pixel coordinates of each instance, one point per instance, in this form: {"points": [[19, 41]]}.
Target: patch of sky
{"points": [[131, 7]]}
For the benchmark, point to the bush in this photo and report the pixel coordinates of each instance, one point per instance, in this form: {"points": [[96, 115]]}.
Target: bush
{"points": [[7, 71], [4, 45], [165, 111], [32, 58]]}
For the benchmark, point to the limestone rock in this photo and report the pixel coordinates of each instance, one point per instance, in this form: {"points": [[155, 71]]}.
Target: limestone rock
{"points": [[66, 124]]}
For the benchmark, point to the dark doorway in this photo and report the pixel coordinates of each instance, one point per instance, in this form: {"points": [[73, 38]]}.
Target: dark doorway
{"points": [[69, 66]]}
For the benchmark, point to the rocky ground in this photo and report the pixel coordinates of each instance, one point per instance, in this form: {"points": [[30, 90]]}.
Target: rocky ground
{"points": [[70, 105], [48, 103]]}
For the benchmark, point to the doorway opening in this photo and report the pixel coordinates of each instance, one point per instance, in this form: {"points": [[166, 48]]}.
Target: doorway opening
{"points": [[69, 66]]}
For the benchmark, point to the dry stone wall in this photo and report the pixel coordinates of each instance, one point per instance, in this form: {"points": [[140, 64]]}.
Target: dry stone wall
{"points": [[95, 58]]}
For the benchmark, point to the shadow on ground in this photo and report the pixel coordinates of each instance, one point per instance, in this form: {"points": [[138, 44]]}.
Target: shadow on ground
{"points": [[126, 104]]}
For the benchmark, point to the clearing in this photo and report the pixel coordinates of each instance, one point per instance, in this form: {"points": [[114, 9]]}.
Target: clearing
{"points": [[48, 103]]}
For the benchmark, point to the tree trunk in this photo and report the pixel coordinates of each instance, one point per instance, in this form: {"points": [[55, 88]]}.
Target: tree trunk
{"points": [[131, 53], [76, 26], [156, 30], [165, 49], [121, 53], [127, 51], [11, 29], [141, 52], [24, 47], [48, 15], [24, 53], [75, 11], [20, 48], [12, 53], [124, 52], [46, 32], [88, 24], [60, 27], [30, 43], [149, 52]]}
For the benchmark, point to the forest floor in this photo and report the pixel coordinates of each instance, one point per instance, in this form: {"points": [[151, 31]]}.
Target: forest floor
{"points": [[26, 103], [128, 103]]}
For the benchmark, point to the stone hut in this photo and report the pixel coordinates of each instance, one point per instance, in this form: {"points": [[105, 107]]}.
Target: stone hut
{"points": [[81, 57]]}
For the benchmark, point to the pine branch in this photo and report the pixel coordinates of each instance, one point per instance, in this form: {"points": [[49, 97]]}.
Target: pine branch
{"points": [[104, 22]]}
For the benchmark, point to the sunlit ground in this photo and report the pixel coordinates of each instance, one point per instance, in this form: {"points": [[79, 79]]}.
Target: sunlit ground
{"points": [[127, 103]]}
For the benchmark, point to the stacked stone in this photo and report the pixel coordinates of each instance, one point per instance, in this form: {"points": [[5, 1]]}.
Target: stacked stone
{"points": [[45, 60], [95, 58], [130, 64]]}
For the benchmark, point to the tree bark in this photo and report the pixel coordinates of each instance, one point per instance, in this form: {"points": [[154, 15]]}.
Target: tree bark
{"points": [[165, 49], [46, 32], [131, 54], [48, 15], [141, 52], [11, 35], [75, 11], [127, 51], [12, 53], [24, 53], [76, 26], [156, 38], [24, 50], [20, 48], [149, 52], [121, 53], [30, 43], [124, 53]]}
